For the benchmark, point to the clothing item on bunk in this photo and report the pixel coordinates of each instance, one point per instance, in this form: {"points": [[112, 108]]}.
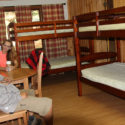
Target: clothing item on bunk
{"points": [[33, 60]]}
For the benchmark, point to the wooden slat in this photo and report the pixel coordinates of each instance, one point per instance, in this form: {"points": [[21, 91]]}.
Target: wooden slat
{"points": [[102, 14], [104, 22], [6, 117], [102, 34], [45, 36], [99, 55], [42, 23]]}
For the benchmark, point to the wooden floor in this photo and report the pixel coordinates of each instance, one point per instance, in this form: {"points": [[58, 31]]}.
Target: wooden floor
{"points": [[93, 108]]}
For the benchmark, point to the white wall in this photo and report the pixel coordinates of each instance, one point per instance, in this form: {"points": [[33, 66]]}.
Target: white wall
{"points": [[34, 2], [29, 2]]}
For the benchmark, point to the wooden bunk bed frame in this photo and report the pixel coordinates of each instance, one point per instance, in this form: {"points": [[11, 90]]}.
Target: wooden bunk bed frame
{"points": [[52, 29], [95, 20]]}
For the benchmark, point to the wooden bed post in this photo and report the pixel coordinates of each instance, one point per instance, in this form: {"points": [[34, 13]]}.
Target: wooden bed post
{"points": [[77, 51], [91, 46], [97, 24], [118, 51], [18, 54], [17, 46]]}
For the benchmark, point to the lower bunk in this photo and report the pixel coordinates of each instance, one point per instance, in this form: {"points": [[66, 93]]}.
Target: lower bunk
{"points": [[109, 77], [56, 65], [60, 64]]}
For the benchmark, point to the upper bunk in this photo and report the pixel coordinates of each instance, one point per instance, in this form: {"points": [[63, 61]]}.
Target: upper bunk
{"points": [[101, 24], [33, 31], [43, 30]]}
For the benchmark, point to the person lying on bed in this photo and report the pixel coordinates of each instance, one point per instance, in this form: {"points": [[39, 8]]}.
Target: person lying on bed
{"points": [[12, 100], [8, 54]]}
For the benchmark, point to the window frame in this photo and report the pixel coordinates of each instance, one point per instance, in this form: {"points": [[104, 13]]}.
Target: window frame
{"points": [[33, 7]]}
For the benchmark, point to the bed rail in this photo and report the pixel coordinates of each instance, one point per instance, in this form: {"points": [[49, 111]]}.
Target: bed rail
{"points": [[43, 30], [101, 24], [98, 55]]}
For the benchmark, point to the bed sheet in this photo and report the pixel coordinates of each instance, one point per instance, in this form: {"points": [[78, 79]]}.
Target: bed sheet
{"points": [[120, 26], [44, 32], [59, 62], [110, 74]]}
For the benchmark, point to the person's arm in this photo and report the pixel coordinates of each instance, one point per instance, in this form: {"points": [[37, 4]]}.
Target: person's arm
{"points": [[5, 80], [12, 67], [15, 63], [1, 78], [23, 95]]}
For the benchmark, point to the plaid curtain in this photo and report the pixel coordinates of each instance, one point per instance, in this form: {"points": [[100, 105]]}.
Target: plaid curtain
{"points": [[54, 47], [23, 14], [2, 26]]}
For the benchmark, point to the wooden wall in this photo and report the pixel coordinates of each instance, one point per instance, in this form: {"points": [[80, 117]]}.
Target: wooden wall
{"points": [[76, 7], [120, 3]]}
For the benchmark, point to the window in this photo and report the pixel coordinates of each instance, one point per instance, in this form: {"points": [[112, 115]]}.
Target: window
{"points": [[36, 17], [10, 16]]}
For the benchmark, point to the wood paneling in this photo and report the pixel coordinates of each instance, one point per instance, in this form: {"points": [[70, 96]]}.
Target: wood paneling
{"points": [[77, 7], [120, 3]]}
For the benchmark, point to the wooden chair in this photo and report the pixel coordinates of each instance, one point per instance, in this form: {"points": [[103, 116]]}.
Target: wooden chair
{"points": [[48, 120], [15, 116], [37, 81], [4, 117]]}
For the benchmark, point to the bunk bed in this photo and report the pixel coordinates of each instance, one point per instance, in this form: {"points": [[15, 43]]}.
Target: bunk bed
{"points": [[45, 30], [109, 75]]}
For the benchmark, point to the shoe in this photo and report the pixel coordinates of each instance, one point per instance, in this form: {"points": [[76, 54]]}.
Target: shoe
{"points": [[36, 122], [39, 122], [31, 119]]}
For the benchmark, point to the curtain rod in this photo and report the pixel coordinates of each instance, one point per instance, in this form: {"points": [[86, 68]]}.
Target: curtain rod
{"points": [[63, 3]]}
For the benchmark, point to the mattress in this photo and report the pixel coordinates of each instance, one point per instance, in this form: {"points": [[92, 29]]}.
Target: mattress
{"points": [[59, 62], [62, 62], [120, 26], [111, 74], [44, 32]]}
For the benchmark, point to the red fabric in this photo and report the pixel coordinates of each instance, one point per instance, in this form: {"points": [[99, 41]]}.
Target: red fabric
{"points": [[54, 47], [33, 60], [23, 14], [2, 26]]}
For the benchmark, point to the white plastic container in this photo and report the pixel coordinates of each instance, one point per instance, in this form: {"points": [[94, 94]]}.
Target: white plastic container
{"points": [[8, 64]]}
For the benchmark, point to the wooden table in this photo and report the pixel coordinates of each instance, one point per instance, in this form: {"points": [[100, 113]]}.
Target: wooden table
{"points": [[19, 75]]}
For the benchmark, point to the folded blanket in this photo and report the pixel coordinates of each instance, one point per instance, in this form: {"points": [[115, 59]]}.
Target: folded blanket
{"points": [[33, 60]]}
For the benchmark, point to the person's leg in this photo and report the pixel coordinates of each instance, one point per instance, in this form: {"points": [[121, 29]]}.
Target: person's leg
{"points": [[42, 106], [24, 95], [49, 117]]}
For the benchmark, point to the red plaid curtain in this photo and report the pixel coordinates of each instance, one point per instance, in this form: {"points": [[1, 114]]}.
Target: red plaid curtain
{"points": [[2, 26], [54, 47], [23, 14]]}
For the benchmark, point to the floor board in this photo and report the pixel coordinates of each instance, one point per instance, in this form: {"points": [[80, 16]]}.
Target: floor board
{"points": [[95, 107]]}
